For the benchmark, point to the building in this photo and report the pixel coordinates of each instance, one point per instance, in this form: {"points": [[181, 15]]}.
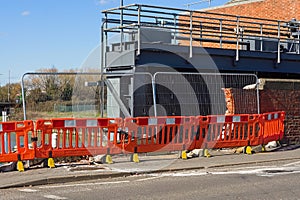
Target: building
{"points": [[180, 62], [282, 93], [283, 10]]}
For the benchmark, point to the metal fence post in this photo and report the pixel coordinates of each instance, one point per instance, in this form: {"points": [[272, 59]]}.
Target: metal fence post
{"points": [[278, 47], [191, 34], [237, 38]]}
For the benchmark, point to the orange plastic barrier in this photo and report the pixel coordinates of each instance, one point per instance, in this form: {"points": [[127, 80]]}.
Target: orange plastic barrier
{"points": [[225, 131], [92, 136], [273, 126], [151, 134], [77, 137], [15, 141]]}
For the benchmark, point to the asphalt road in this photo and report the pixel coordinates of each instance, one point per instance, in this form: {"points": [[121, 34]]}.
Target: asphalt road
{"points": [[247, 182]]}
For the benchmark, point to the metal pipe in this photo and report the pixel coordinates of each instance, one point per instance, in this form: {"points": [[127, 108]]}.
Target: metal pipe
{"points": [[121, 23], [220, 33], [102, 70], [261, 41], [237, 38], [257, 94], [139, 30], [154, 96], [191, 34], [23, 97], [278, 47], [175, 32]]}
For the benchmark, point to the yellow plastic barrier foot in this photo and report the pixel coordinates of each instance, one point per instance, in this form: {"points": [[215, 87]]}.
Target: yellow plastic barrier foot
{"points": [[51, 163], [183, 155], [135, 158], [206, 153], [20, 165], [108, 159], [248, 150]]}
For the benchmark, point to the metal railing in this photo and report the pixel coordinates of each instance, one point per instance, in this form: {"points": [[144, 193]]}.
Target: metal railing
{"points": [[203, 29]]}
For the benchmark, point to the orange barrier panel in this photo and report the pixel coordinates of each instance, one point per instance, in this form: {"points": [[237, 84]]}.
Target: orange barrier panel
{"points": [[92, 136], [15, 140], [77, 137], [225, 131], [273, 126], [151, 134]]}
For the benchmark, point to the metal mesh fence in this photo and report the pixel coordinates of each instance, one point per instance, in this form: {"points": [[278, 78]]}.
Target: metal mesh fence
{"points": [[48, 95], [51, 95], [203, 94]]}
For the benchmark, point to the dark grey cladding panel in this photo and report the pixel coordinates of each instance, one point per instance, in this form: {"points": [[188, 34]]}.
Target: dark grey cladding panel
{"points": [[160, 55]]}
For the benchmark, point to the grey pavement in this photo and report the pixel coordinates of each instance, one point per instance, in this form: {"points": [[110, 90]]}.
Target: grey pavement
{"points": [[122, 166]]}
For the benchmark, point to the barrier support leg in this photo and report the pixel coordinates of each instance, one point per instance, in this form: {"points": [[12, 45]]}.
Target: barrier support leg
{"points": [[134, 157], [248, 149], [108, 158], [51, 163], [20, 166], [205, 152], [183, 153], [263, 148]]}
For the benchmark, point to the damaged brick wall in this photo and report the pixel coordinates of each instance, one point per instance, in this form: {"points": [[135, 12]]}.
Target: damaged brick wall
{"points": [[278, 95]]}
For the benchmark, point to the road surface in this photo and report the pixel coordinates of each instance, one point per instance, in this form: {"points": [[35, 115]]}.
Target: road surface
{"points": [[243, 182]]}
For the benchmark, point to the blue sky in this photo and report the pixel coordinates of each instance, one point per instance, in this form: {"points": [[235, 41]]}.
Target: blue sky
{"points": [[37, 34]]}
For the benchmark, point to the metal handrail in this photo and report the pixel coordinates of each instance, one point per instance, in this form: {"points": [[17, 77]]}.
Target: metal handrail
{"points": [[199, 25]]}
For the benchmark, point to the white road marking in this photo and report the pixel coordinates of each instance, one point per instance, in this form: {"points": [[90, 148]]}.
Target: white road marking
{"points": [[50, 196], [100, 183], [264, 171], [147, 179], [82, 184], [291, 164], [27, 190]]}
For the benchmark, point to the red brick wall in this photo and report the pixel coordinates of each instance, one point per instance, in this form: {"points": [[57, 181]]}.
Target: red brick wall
{"points": [[269, 9], [277, 96]]}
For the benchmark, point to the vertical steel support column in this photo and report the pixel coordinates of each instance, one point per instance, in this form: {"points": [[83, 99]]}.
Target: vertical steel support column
{"points": [[257, 94], [103, 62], [154, 95], [191, 34], [220, 33], [121, 24], [139, 30], [23, 97], [102, 70], [105, 41], [175, 29], [237, 38], [278, 47], [298, 37], [261, 37]]}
